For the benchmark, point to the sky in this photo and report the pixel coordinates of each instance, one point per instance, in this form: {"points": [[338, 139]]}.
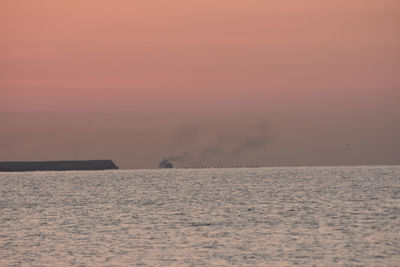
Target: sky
{"points": [[214, 83]]}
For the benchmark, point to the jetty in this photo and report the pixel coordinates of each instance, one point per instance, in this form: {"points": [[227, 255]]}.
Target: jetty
{"points": [[65, 165]]}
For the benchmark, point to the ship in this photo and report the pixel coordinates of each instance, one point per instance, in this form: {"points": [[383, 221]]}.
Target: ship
{"points": [[165, 164]]}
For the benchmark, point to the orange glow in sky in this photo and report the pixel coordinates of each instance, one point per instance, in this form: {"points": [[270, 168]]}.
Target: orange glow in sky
{"points": [[75, 55], [280, 58]]}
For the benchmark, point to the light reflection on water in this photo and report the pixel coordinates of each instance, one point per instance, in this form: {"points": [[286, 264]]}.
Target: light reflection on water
{"points": [[257, 216]]}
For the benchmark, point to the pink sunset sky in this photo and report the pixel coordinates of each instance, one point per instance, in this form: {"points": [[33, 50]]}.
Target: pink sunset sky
{"points": [[256, 82]]}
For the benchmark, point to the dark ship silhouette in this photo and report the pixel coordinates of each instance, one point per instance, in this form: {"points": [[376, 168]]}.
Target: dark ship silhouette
{"points": [[165, 164]]}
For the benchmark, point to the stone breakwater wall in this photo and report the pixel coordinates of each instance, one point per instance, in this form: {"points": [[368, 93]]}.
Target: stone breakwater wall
{"points": [[26, 166]]}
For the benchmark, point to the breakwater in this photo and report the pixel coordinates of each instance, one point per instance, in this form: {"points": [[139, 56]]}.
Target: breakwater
{"points": [[66, 165]]}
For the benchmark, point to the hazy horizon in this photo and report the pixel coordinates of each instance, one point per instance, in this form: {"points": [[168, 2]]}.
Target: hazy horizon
{"points": [[215, 84], [143, 140]]}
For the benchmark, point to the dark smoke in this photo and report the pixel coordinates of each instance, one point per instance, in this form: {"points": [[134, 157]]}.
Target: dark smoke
{"points": [[229, 143], [179, 158], [259, 138]]}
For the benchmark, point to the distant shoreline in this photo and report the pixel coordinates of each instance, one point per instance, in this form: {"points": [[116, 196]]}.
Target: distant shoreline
{"points": [[65, 165]]}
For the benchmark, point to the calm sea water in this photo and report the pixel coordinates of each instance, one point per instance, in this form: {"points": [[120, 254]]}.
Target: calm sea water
{"points": [[323, 216]]}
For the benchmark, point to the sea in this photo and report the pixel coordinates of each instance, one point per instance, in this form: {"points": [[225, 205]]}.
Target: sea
{"points": [[280, 216]]}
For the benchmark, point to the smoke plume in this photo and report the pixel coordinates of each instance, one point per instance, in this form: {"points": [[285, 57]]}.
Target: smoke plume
{"points": [[205, 142]]}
